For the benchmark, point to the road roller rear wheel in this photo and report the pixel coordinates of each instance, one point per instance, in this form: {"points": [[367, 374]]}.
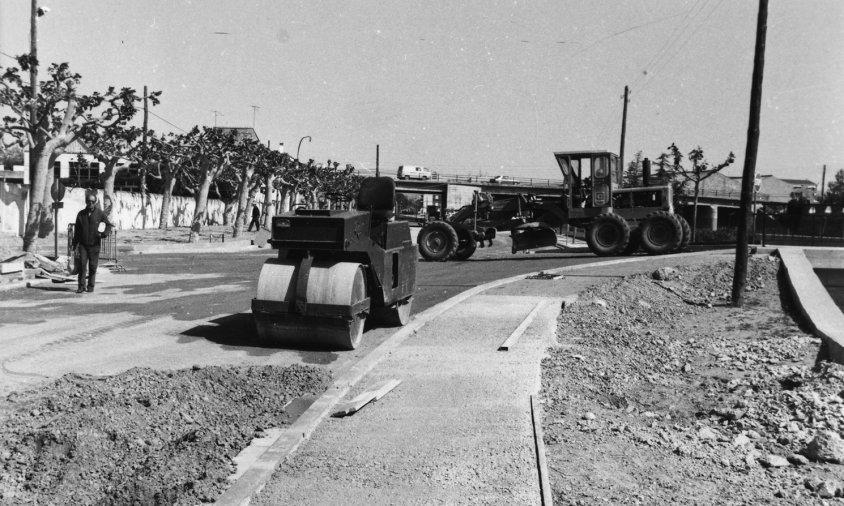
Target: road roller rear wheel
{"points": [[331, 283], [397, 316]]}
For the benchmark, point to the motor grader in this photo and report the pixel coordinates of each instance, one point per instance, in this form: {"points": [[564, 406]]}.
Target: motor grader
{"points": [[618, 221], [336, 268]]}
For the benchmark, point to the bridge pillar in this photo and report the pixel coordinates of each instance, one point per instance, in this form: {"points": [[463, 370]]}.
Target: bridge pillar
{"points": [[713, 217]]}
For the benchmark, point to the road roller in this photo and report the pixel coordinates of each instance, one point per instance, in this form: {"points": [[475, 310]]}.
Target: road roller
{"points": [[334, 270]]}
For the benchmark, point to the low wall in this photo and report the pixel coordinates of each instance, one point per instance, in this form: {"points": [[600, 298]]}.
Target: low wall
{"points": [[128, 210]]}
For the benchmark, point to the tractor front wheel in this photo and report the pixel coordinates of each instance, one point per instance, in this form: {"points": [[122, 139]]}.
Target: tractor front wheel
{"points": [[661, 233], [608, 235], [437, 241]]}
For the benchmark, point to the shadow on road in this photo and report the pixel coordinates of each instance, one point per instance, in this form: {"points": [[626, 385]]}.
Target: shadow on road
{"points": [[237, 331]]}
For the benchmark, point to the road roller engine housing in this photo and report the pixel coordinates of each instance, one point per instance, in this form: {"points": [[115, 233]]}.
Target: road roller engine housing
{"points": [[336, 268]]}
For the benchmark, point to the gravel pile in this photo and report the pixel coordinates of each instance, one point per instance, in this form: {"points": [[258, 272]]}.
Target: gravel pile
{"points": [[660, 392], [141, 437]]}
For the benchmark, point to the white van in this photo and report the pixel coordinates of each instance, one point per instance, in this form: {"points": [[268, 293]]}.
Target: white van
{"points": [[413, 172]]}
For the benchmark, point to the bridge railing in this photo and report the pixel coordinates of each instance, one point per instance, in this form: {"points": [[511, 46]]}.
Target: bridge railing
{"points": [[486, 180]]}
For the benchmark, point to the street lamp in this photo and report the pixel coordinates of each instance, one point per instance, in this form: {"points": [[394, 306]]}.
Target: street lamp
{"points": [[300, 145]]}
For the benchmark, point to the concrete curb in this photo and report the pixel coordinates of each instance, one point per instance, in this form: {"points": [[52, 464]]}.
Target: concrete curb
{"points": [[815, 303], [255, 478]]}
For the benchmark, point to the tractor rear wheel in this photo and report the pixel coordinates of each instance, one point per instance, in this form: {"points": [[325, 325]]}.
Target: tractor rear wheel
{"points": [[661, 233], [437, 241], [687, 232], [608, 235], [633, 245]]}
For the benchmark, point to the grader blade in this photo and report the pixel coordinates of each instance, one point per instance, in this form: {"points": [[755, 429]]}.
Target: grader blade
{"points": [[532, 236]]}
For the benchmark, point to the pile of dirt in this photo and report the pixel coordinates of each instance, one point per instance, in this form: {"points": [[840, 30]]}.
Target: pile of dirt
{"points": [[660, 392], [143, 436]]}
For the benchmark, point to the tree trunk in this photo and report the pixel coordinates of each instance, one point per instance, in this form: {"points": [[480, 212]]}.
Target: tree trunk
{"points": [[694, 211], [46, 225], [242, 197], [268, 201], [107, 179], [201, 208], [38, 168], [169, 184], [228, 211], [142, 175]]}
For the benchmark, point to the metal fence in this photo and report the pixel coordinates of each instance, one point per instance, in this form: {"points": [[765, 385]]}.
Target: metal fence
{"points": [[108, 248], [806, 225]]}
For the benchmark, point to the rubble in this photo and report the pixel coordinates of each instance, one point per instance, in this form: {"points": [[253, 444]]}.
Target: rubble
{"points": [[143, 436], [826, 446], [705, 392]]}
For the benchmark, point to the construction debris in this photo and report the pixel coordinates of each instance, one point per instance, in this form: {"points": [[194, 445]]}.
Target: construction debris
{"points": [[365, 398]]}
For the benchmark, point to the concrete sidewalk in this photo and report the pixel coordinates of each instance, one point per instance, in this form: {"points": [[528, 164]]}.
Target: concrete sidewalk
{"points": [[458, 429]]}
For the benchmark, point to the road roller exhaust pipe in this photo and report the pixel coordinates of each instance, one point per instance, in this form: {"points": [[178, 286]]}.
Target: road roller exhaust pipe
{"points": [[335, 269]]}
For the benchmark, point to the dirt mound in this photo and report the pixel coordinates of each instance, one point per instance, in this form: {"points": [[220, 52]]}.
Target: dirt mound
{"points": [[143, 436], [662, 393]]}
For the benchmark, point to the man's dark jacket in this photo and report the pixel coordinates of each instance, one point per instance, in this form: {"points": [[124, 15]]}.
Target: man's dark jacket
{"points": [[85, 230]]}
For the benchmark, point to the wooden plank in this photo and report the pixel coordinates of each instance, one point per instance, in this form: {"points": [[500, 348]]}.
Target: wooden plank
{"points": [[365, 398], [514, 337], [541, 462]]}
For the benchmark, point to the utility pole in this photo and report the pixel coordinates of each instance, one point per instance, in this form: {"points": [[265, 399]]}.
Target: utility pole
{"points": [[33, 64], [143, 171], [377, 160], [216, 113], [33, 83], [823, 181], [623, 129], [748, 175]]}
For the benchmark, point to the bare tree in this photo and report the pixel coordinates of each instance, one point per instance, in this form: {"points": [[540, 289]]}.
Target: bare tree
{"points": [[697, 173], [50, 120]]}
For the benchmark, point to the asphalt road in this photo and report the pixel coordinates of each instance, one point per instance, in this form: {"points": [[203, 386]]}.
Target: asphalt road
{"points": [[177, 310]]}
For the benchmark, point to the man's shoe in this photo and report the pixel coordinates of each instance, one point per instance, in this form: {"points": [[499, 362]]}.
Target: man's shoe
{"points": [[80, 290], [91, 289]]}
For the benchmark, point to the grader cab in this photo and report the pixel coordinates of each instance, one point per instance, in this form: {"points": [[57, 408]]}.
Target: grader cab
{"points": [[336, 268], [618, 221]]}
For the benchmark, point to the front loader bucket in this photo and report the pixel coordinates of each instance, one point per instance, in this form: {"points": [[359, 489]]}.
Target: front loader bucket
{"points": [[532, 236]]}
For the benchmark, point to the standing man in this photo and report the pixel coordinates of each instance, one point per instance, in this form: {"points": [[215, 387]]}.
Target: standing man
{"points": [[91, 226], [256, 219]]}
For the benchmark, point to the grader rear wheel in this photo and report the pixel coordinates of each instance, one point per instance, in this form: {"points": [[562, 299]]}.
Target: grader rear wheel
{"points": [[608, 235], [661, 233], [329, 283]]}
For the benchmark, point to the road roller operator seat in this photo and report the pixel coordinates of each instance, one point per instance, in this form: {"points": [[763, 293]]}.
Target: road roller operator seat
{"points": [[377, 195]]}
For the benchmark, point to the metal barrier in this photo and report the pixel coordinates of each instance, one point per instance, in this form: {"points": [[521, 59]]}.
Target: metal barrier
{"points": [[108, 249]]}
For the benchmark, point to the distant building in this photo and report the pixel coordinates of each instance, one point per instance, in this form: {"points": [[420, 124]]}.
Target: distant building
{"points": [[804, 188], [239, 132]]}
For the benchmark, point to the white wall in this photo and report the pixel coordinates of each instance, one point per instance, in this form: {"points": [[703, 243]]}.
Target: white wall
{"points": [[127, 209]]}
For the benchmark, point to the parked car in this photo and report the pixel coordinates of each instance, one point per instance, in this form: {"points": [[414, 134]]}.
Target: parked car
{"points": [[413, 172], [503, 180]]}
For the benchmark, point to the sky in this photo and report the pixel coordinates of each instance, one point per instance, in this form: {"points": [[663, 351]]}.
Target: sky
{"points": [[472, 87]]}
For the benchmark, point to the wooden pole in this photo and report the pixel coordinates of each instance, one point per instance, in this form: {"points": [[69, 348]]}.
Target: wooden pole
{"points": [[142, 181], [377, 160], [823, 181], [748, 175], [623, 129]]}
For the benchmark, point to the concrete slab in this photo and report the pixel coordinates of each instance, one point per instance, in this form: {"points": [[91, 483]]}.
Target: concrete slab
{"points": [[814, 302]]}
